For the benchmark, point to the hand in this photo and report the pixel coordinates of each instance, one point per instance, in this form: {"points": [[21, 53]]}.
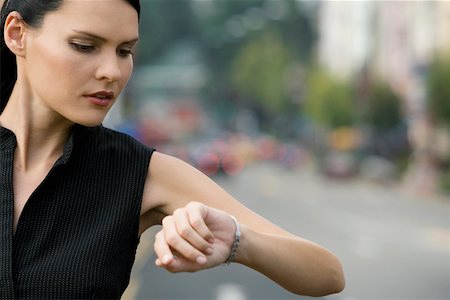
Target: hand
{"points": [[195, 237]]}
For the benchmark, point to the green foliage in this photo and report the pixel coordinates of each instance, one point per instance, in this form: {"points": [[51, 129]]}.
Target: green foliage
{"points": [[163, 23], [329, 101], [245, 63], [257, 72], [444, 182], [383, 108], [438, 84]]}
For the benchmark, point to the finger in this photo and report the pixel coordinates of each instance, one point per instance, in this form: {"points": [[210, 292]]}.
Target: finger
{"points": [[189, 233], [181, 264], [179, 244], [162, 250], [196, 214]]}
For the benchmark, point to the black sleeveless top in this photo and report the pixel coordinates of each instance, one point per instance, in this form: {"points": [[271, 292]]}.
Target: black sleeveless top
{"points": [[77, 235]]}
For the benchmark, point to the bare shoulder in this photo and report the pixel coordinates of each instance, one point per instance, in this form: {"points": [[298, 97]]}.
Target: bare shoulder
{"points": [[172, 183]]}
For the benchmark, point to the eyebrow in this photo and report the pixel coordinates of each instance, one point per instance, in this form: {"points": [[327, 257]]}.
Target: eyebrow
{"points": [[97, 37]]}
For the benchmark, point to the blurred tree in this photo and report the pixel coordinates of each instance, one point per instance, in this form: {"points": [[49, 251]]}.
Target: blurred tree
{"points": [[233, 23], [258, 71], [329, 102], [232, 27], [388, 134], [221, 29], [383, 108], [163, 23], [438, 84], [445, 181]]}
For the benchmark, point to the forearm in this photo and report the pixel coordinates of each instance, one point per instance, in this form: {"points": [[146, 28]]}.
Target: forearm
{"points": [[299, 266]]}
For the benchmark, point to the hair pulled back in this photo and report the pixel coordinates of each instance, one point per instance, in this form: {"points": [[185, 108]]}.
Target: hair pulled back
{"points": [[33, 13]]}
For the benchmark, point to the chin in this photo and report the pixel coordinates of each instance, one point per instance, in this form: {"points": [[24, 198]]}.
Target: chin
{"points": [[88, 118], [89, 122]]}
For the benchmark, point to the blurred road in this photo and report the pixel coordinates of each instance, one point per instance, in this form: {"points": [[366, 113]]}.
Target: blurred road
{"points": [[393, 245]]}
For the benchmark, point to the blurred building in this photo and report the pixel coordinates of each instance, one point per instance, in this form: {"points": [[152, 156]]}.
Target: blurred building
{"points": [[396, 41], [408, 35], [392, 37], [345, 36]]}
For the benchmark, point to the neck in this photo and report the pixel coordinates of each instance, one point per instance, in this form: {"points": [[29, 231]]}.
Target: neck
{"points": [[40, 132]]}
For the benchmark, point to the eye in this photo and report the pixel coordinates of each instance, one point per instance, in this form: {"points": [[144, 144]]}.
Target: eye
{"points": [[124, 52], [82, 47]]}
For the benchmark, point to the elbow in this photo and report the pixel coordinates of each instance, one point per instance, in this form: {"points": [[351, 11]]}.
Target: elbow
{"points": [[332, 281], [340, 286], [335, 282]]}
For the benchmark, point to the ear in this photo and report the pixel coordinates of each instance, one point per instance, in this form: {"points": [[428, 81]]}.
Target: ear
{"points": [[14, 33]]}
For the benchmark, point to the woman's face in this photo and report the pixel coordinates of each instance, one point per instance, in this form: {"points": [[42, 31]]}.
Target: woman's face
{"points": [[80, 59]]}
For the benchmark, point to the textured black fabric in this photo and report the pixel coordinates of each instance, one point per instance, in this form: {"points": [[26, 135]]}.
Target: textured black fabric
{"points": [[77, 235]]}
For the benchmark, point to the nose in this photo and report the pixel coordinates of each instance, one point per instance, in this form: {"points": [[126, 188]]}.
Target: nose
{"points": [[108, 68]]}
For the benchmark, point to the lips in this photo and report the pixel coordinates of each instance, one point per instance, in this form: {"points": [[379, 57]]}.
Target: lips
{"points": [[102, 95], [101, 98]]}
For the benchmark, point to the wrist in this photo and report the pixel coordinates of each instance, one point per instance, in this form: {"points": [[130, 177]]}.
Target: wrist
{"points": [[242, 250], [236, 242]]}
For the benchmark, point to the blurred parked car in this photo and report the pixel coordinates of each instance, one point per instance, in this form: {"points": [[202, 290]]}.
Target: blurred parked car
{"points": [[340, 165], [216, 157]]}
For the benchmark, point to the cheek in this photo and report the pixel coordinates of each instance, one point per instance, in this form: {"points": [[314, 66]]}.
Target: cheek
{"points": [[57, 68], [127, 70]]}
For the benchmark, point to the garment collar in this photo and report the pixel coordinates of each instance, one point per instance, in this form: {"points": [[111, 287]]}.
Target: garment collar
{"points": [[8, 141]]}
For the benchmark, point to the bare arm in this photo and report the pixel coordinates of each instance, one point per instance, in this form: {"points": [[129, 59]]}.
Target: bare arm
{"points": [[298, 265]]}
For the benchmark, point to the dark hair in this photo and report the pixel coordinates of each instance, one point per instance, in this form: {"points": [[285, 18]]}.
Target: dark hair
{"points": [[32, 12]]}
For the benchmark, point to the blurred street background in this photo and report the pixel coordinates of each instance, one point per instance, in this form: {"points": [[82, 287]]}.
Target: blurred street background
{"points": [[330, 118]]}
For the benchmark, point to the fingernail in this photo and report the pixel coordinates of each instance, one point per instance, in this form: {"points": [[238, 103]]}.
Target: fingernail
{"points": [[211, 240], [201, 260], [209, 251]]}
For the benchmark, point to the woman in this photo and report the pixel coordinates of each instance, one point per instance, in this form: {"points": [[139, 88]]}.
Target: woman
{"points": [[75, 196]]}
